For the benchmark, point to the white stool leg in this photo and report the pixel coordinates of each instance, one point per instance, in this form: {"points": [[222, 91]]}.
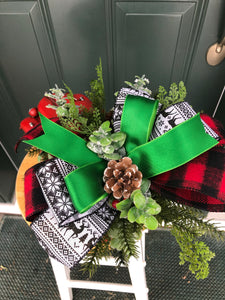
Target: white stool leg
{"points": [[137, 274], [62, 276]]}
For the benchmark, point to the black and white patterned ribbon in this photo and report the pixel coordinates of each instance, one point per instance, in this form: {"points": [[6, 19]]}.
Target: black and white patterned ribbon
{"points": [[51, 179], [63, 233], [69, 244]]}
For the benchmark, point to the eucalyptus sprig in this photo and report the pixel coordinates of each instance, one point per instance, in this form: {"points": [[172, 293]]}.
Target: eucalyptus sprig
{"points": [[140, 84], [140, 209], [106, 144]]}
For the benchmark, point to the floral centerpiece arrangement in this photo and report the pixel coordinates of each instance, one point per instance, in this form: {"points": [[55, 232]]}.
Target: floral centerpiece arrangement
{"points": [[102, 178]]}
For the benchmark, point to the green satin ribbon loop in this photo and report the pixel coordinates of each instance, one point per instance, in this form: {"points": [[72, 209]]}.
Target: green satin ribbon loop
{"points": [[63, 144], [137, 120], [85, 185], [173, 149]]}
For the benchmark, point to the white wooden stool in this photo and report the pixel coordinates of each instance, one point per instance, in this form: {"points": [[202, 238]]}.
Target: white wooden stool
{"points": [[136, 268]]}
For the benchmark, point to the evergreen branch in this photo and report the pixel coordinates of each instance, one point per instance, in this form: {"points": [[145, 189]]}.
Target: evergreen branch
{"points": [[124, 236], [91, 261], [97, 93]]}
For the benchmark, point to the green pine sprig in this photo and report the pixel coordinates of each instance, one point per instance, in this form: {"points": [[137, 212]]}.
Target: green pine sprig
{"points": [[97, 92], [101, 250], [124, 236]]}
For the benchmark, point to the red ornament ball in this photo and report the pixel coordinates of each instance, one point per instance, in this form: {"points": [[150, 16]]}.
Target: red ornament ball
{"points": [[33, 112]]}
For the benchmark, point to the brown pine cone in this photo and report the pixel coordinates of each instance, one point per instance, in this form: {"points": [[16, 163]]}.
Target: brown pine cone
{"points": [[121, 178]]}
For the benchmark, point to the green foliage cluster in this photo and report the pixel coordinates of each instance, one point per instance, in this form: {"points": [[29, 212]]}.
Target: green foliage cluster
{"points": [[81, 121], [140, 209], [105, 143], [97, 93], [176, 94]]}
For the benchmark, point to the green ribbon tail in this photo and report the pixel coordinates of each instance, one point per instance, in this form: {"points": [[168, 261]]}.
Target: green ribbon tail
{"points": [[63, 144], [137, 120], [173, 149], [85, 185]]}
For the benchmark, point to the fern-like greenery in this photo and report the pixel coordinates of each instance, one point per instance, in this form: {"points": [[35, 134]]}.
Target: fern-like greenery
{"points": [[83, 125], [194, 252], [187, 226], [176, 94]]}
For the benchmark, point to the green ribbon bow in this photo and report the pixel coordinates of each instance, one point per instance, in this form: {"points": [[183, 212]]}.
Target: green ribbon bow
{"points": [[169, 151]]}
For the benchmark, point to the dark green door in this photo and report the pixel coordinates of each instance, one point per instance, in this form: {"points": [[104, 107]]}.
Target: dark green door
{"points": [[46, 41]]}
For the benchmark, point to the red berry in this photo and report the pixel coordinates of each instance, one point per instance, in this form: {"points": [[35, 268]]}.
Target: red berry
{"points": [[33, 112], [114, 203]]}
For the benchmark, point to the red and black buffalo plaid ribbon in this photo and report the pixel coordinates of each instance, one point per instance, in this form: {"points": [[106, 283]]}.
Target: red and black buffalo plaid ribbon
{"points": [[201, 182], [35, 202]]}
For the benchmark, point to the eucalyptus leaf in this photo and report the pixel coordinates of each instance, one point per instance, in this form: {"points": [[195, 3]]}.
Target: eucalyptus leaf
{"points": [[117, 145], [139, 200], [93, 139], [118, 136], [114, 156], [145, 185], [151, 211], [97, 133], [151, 223], [133, 214], [125, 204], [141, 219], [106, 126], [115, 244], [105, 141], [123, 213], [108, 149]]}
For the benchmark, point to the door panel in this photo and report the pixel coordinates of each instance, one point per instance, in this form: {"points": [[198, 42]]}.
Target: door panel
{"points": [[81, 30], [153, 38], [27, 63], [205, 82]]}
